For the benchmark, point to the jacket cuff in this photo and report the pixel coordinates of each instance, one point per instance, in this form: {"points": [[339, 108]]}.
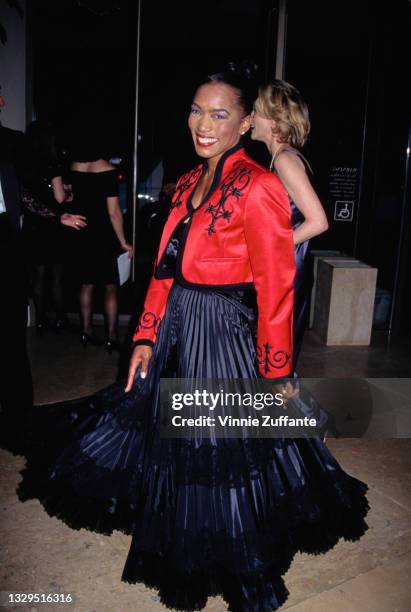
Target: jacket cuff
{"points": [[144, 341], [147, 327], [273, 363], [279, 380]]}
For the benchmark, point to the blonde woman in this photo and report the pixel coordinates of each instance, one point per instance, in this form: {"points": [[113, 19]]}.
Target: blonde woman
{"points": [[280, 120]]}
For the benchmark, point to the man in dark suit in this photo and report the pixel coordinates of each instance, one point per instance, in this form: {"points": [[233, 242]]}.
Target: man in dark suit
{"points": [[16, 395]]}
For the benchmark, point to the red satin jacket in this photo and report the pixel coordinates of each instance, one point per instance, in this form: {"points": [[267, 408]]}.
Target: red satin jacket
{"points": [[239, 237]]}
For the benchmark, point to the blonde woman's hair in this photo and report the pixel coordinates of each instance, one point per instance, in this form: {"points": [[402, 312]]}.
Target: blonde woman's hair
{"points": [[280, 101]]}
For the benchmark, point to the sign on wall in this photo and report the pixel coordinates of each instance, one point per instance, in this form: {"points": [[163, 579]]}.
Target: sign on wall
{"points": [[343, 210], [343, 191]]}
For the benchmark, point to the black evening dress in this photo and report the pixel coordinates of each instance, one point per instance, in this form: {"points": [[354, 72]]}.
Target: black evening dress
{"points": [[207, 516], [95, 248], [301, 280], [301, 286], [43, 235], [305, 404]]}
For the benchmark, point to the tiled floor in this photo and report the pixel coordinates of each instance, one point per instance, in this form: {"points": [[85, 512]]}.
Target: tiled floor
{"points": [[380, 360], [41, 554]]}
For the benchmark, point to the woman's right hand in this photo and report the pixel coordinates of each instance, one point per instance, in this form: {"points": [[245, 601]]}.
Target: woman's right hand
{"points": [[128, 248], [140, 356]]}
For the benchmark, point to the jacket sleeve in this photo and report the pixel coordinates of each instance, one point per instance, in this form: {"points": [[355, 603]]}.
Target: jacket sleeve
{"points": [[269, 237], [153, 312], [155, 302]]}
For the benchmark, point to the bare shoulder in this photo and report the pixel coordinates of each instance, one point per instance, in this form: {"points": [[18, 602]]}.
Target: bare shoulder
{"points": [[289, 161], [78, 166], [102, 165]]}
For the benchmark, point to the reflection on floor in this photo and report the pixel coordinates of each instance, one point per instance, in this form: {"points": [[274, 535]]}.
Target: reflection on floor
{"points": [[380, 360], [63, 369], [41, 554]]}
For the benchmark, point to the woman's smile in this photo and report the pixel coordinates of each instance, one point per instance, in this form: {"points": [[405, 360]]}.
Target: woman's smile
{"points": [[205, 141]]}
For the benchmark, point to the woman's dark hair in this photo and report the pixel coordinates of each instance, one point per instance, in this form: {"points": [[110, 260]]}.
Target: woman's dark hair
{"points": [[40, 143], [40, 153], [87, 141], [242, 79]]}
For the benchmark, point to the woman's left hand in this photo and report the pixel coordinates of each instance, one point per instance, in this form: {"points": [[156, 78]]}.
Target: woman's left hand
{"points": [[128, 248], [287, 390], [75, 221]]}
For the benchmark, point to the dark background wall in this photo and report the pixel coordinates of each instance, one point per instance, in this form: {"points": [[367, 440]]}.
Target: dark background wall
{"points": [[348, 60]]}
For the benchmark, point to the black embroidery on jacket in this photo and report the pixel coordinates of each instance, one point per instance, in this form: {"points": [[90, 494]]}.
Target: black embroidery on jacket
{"points": [[275, 360], [186, 181], [148, 320], [232, 187]]}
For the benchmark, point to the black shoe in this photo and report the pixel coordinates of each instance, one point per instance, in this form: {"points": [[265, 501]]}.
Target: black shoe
{"points": [[41, 326], [111, 345], [90, 339], [62, 323]]}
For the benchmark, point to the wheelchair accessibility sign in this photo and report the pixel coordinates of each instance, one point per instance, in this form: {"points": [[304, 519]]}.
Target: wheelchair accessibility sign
{"points": [[343, 211]]}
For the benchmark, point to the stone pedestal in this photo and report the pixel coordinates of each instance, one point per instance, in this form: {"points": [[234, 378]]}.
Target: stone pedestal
{"points": [[316, 255], [344, 302]]}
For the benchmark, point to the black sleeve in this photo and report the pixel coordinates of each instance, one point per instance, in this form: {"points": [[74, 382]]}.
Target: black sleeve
{"points": [[54, 169]]}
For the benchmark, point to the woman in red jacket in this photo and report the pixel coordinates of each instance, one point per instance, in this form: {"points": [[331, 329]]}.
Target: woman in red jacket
{"points": [[209, 515], [229, 230]]}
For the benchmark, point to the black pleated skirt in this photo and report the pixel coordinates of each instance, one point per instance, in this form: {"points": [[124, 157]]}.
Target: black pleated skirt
{"points": [[223, 516]]}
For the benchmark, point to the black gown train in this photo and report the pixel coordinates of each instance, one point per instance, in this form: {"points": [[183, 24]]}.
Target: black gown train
{"points": [[207, 517]]}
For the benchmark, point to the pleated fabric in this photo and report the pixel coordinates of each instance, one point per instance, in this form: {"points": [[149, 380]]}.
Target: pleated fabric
{"points": [[207, 516]]}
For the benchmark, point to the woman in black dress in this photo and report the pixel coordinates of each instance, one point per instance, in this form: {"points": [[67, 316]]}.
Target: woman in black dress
{"points": [[44, 237], [95, 249], [208, 515]]}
